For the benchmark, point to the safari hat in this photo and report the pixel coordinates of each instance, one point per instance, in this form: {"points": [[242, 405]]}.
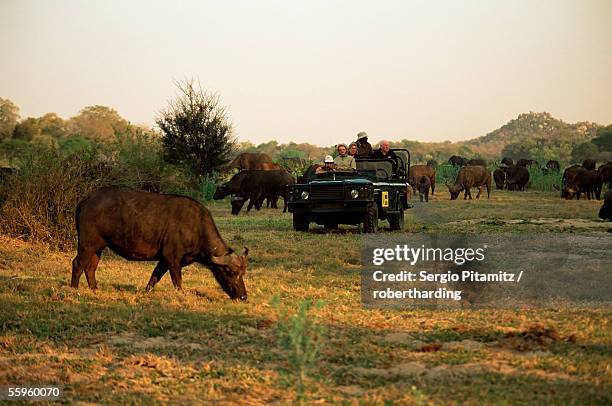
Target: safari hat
{"points": [[328, 159], [362, 135]]}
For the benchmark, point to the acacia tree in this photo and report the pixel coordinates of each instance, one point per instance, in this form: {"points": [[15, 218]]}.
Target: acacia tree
{"points": [[196, 129]]}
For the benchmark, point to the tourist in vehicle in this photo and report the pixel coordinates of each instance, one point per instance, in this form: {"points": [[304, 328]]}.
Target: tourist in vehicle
{"points": [[352, 149], [344, 160], [328, 165], [364, 149], [384, 152]]}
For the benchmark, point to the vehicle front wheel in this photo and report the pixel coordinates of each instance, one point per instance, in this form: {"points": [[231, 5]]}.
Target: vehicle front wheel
{"points": [[300, 222], [396, 221], [370, 223]]}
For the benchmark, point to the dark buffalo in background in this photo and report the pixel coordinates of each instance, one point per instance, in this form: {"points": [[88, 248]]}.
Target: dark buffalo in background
{"points": [[416, 171], [255, 186], [606, 210], [589, 164], [477, 161], [469, 177], [517, 177], [499, 175], [143, 226], [432, 163], [552, 166], [507, 161], [605, 174], [579, 181], [526, 162], [457, 160], [423, 186], [253, 161]]}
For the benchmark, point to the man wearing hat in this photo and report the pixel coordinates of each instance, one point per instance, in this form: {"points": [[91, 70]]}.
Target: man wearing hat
{"points": [[328, 165], [344, 160], [364, 149]]}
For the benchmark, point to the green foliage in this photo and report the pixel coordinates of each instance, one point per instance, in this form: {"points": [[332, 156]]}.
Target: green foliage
{"points": [[196, 130], [603, 139], [541, 181], [446, 173], [9, 115], [300, 336], [583, 151]]}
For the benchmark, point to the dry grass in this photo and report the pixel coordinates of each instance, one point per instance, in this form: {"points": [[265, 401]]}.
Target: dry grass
{"points": [[121, 345]]}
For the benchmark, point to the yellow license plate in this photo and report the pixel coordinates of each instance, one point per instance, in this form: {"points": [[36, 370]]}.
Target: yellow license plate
{"points": [[385, 199]]}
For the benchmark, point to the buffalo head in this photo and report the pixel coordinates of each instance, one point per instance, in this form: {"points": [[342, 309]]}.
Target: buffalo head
{"points": [[454, 191], [221, 192], [229, 270]]}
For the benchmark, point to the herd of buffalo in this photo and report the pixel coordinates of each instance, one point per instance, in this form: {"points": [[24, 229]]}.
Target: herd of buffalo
{"points": [[176, 230]]}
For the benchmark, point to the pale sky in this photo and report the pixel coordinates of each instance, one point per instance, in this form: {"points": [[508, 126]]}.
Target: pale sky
{"points": [[316, 71]]}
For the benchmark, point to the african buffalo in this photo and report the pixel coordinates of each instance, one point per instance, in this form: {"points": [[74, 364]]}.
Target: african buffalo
{"points": [[552, 166], [582, 181], [143, 226], [423, 186], [589, 164], [253, 161], [517, 177], [605, 174], [499, 175], [457, 160], [432, 163], [477, 161], [606, 210], [469, 177], [526, 162], [507, 161], [255, 186], [416, 171]]}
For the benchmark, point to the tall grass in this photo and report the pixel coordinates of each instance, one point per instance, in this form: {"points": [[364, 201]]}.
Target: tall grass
{"points": [[446, 173], [539, 180]]}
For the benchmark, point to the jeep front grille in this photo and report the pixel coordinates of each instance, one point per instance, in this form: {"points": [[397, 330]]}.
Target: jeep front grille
{"points": [[327, 192]]}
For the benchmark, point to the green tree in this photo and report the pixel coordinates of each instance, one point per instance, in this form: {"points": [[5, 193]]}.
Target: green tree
{"points": [[27, 129], [53, 125], [585, 150], [196, 129], [9, 116], [603, 139]]}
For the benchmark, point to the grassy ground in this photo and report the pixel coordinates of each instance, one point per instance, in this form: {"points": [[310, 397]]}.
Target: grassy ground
{"points": [[121, 345]]}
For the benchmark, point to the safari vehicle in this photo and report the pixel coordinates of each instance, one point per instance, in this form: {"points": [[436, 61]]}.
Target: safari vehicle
{"points": [[377, 190]]}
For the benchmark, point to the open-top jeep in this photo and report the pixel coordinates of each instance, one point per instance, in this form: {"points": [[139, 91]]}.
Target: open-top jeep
{"points": [[377, 190]]}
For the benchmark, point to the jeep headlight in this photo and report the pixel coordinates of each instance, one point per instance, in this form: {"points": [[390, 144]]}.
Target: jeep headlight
{"points": [[354, 193], [305, 195]]}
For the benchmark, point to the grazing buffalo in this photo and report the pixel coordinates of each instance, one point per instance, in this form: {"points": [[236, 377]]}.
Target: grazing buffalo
{"points": [[475, 161], [416, 171], [142, 226], [606, 210], [423, 186], [589, 164], [432, 163], [507, 161], [253, 161], [605, 174], [499, 175], [457, 160], [582, 181], [255, 186], [469, 177], [526, 162], [517, 177]]}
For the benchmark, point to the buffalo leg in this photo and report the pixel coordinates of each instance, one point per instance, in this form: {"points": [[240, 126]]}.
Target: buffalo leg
{"points": [[479, 192], [82, 263], [90, 271], [159, 271], [176, 275]]}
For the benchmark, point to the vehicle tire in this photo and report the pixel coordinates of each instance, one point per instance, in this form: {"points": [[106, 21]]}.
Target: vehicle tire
{"points": [[300, 222], [370, 222], [396, 221]]}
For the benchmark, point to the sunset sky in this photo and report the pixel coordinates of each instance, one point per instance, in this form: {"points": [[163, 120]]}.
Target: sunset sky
{"points": [[316, 71]]}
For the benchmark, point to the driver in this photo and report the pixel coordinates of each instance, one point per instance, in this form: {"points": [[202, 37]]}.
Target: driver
{"points": [[328, 165]]}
